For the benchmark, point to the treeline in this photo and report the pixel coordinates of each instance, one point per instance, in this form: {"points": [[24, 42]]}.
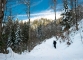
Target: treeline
{"points": [[16, 34]]}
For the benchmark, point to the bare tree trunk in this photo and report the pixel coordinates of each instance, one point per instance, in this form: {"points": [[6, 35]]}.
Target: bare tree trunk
{"points": [[27, 3], [2, 4], [0, 27], [28, 14], [72, 10], [28, 42], [76, 14], [1, 18], [55, 8], [1, 15], [55, 17]]}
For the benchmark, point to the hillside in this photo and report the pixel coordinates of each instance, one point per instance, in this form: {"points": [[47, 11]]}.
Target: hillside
{"points": [[46, 51]]}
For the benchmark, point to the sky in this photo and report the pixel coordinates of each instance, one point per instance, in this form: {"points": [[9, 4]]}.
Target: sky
{"points": [[36, 6], [41, 7]]}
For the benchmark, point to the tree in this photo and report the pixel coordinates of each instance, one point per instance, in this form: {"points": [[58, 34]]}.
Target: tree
{"points": [[25, 34], [27, 3], [5, 35], [54, 8], [10, 30], [2, 5], [76, 14], [39, 32], [66, 15], [74, 5], [18, 32]]}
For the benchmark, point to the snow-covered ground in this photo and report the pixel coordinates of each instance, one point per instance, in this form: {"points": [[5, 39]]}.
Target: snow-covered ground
{"points": [[46, 51]]}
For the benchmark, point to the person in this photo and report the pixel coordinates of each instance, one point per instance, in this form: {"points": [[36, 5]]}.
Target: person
{"points": [[54, 43]]}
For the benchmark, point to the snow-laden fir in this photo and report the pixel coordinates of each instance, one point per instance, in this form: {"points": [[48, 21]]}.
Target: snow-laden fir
{"points": [[46, 51]]}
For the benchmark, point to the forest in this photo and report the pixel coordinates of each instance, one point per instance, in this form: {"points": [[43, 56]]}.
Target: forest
{"points": [[22, 36]]}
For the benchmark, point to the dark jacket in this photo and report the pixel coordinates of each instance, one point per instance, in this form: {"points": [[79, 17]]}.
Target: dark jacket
{"points": [[54, 43]]}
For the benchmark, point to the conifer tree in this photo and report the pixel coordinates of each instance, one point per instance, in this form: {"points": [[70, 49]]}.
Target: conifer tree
{"points": [[66, 15]]}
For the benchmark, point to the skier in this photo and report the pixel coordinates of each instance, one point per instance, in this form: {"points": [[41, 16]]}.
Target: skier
{"points": [[54, 43]]}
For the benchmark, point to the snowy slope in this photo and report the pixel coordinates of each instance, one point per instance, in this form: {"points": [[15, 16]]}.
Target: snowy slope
{"points": [[46, 51]]}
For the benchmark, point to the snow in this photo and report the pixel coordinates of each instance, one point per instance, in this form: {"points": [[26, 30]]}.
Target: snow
{"points": [[46, 51]]}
